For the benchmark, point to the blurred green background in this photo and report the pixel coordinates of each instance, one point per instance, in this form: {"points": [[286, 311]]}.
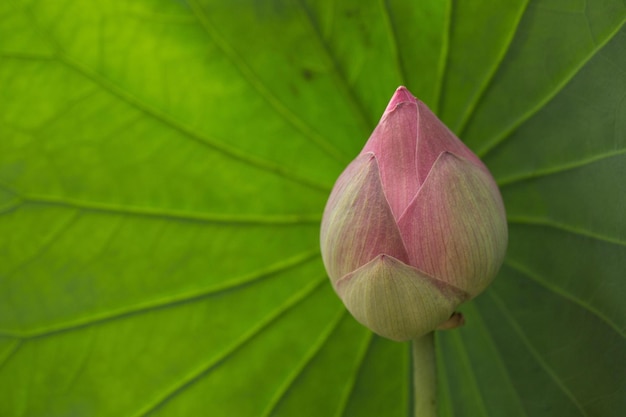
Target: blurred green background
{"points": [[163, 169]]}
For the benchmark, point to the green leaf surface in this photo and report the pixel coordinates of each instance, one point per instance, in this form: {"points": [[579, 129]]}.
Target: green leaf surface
{"points": [[163, 169]]}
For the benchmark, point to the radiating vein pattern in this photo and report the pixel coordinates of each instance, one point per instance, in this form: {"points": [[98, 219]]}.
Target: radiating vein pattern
{"points": [[366, 119], [548, 352], [530, 76], [507, 392], [258, 85], [104, 302], [157, 100], [182, 325], [470, 69], [584, 124], [573, 298], [533, 351], [200, 217], [204, 374], [543, 222], [163, 169], [286, 388]]}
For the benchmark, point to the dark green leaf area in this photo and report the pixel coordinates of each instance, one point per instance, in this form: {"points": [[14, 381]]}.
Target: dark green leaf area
{"points": [[554, 40], [584, 123], [543, 351]]}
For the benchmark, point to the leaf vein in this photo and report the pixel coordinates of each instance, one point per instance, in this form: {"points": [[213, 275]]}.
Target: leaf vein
{"points": [[519, 267], [393, 40], [47, 243], [257, 84], [487, 81], [141, 106], [507, 181], [351, 384], [167, 302], [508, 131], [500, 361], [205, 368], [214, 144], [460, 346], [522, 336], [8, 353], [171, 214], [530, 221], [443, 57], [283, 390], [340, 75]]}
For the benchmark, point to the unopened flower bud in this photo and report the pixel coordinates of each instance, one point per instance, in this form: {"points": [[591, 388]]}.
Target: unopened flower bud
{"points": [[413, 227]]}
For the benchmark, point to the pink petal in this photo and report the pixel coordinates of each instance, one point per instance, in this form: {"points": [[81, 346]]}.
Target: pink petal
{"points": [[358, 224], [401, 95], [455, 229], [433, 138], [394, 142], [397, 301]]}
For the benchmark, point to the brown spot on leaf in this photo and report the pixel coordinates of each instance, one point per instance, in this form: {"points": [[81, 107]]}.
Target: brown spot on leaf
{"points": [[307, 74]]}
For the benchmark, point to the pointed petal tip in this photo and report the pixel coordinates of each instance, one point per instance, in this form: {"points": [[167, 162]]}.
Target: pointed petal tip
{"points": [[456, 229], [395, 300], [369, 156], [358, 224], [402, 95], [402, 89]]}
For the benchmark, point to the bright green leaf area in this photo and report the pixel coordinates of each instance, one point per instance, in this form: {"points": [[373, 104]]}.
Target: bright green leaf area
{"points": [[163, 169]]}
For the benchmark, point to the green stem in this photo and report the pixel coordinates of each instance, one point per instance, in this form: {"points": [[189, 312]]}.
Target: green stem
{"points": [[424, 376]]}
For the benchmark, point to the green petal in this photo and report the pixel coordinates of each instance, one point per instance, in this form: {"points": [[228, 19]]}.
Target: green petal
{"points": [[397, 301]]}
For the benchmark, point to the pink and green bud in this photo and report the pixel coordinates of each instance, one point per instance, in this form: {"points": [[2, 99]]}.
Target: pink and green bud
{"points": [[413, 227]]}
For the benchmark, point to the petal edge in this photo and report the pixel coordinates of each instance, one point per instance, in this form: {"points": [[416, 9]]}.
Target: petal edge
{"points": [[358, 224], [396, 300], [455, 229]]}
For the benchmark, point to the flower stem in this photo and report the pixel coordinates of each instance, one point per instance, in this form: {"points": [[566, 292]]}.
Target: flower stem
{"points": [[424, 376]]}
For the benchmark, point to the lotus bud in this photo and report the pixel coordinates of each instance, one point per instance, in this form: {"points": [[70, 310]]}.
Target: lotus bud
{"points": [[413, 227]]}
